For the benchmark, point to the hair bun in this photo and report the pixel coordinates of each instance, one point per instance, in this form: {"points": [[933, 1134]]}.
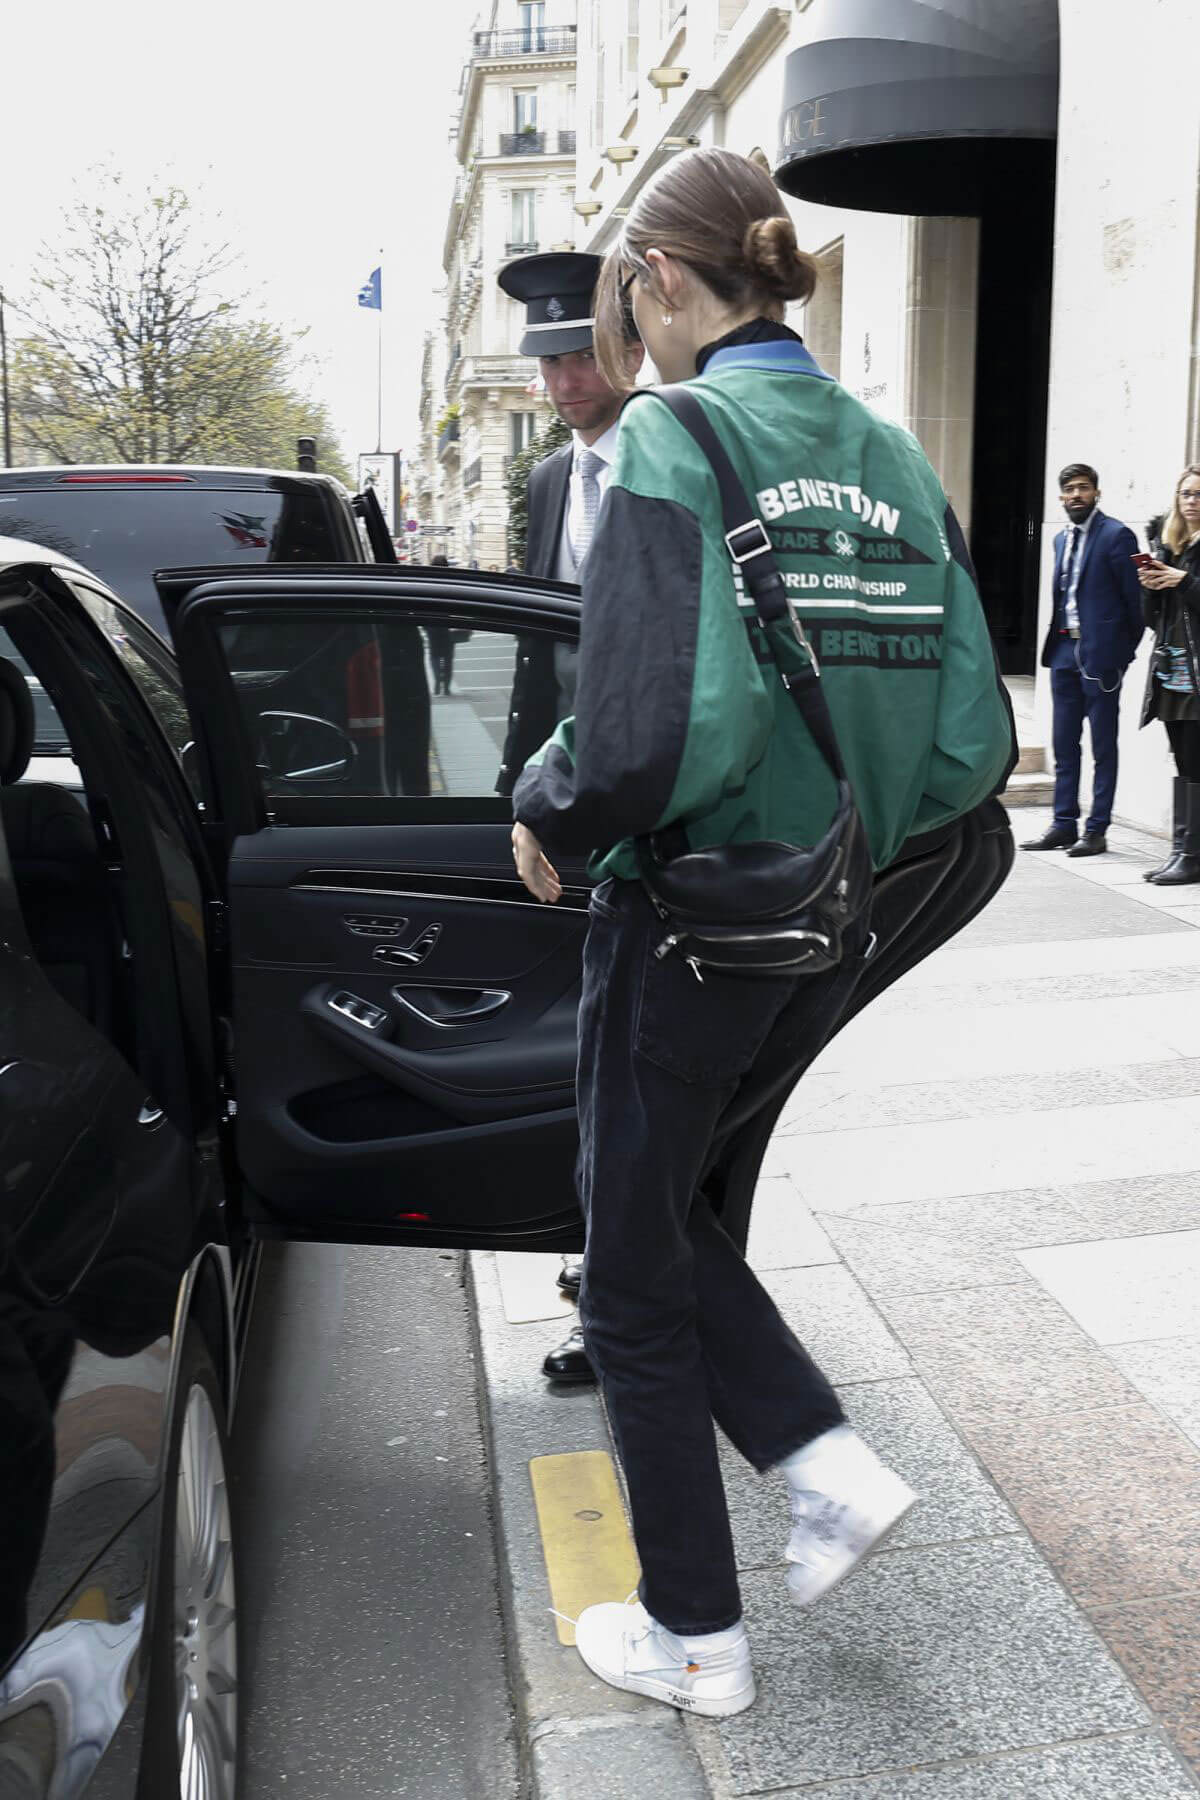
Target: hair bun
{"points": [[775, 261]]}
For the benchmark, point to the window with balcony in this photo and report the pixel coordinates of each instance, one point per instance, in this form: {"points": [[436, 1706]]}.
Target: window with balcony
{"points": [[532, 14], [524, 139]]}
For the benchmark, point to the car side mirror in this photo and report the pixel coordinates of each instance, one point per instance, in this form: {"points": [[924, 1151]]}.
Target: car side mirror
{"points": [[298, 747]]}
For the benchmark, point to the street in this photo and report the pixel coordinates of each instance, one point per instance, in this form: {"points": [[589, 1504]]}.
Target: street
{"points": [[374, 1661]]}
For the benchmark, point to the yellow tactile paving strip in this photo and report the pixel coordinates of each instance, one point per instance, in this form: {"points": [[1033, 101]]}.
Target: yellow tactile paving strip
{"points": [[585, 1538]]}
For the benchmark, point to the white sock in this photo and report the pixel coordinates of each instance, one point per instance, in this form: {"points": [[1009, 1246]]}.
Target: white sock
{"points": [[798, 1465], [708, 1643]]}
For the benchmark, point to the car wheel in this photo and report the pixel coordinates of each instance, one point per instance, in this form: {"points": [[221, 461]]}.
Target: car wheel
{"points": [[191, 1744]]}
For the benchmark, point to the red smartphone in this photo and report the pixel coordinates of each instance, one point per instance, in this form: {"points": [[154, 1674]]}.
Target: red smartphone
{"points": [[1142, 560]]}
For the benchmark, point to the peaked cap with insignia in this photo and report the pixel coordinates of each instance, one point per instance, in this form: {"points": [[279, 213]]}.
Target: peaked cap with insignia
{"points": [[557, 290]]}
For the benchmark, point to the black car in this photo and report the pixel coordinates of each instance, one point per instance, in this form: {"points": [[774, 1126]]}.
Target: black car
{"points": [[248, 991], [124, 520]]}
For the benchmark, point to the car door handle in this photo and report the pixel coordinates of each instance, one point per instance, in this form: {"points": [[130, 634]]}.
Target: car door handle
{"points": [[151, 1116], [448, 1007]]}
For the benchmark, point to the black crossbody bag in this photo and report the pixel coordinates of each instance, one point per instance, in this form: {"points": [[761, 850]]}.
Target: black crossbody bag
{"points": [[760, 908]]}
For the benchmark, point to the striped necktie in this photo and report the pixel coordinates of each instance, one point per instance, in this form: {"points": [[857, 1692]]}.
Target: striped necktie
{"points": [[589, 467]]}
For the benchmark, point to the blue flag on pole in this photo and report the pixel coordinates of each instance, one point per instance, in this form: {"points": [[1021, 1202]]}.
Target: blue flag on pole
{"points": [[371, 292]]}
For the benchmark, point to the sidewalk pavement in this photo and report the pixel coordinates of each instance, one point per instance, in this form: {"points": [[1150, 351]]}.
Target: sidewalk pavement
{"points": [[981, 1211]]}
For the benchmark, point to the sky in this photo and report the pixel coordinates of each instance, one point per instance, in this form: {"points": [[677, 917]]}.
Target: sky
{"points": [[309, 137]]}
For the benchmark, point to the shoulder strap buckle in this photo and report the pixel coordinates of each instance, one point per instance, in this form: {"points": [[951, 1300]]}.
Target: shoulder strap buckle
{"points": [[747, 541]]}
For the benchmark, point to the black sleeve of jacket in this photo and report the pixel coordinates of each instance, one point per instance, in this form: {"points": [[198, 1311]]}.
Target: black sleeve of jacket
{"points": [[637, 659], [533, 709], [1128, 586]]}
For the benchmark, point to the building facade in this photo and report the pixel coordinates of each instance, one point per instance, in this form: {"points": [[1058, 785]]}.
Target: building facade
{"points": [[1009, 262], [514, 139]]}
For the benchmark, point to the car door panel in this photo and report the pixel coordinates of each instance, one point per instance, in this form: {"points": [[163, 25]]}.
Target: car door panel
{"points": [[404, 1012]]}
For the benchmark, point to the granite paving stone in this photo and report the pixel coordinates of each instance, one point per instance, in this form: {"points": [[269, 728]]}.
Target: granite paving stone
{"points": [[901, 1422], [1124, 1289], [783, 1232], [990, 1352], [926, 1655], [856, 1106], [839, 1172], [1133, 1766], [1158, 1644], [837, 1324], [889, 1259], [1112, 1497], [1167, 1372], [964, 1241], [1136, 1204]]}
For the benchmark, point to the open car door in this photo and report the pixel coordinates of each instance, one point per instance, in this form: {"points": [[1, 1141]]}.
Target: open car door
{"points": [[403, 1010]]}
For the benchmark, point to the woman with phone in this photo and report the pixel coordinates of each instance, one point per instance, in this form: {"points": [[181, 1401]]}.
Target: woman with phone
{"points": [[1171, 603]]}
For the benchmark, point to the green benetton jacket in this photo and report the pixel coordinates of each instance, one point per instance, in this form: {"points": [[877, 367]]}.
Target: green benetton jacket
{"points": [[679, 719]]}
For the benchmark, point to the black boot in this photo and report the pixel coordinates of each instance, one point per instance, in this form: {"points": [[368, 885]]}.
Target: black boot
{"points": [[1179, 826], [1184, 867]]}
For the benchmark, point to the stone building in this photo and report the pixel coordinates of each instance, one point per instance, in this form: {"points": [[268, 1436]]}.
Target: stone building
{"points": [[1008, 241], [514, 138]]}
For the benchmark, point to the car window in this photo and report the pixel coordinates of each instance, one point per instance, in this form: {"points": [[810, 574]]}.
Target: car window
{"points": [[151, 665], [375, 707], [124, 534]]}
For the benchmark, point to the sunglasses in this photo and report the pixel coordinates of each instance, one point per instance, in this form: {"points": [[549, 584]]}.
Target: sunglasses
{"points": [[627, 284]]}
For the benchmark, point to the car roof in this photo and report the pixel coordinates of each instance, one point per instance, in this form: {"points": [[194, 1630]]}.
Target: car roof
{"points": [[203, 475], [19, 550]]}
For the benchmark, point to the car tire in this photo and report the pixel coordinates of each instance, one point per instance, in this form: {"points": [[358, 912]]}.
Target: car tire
{"points": [[191, 1743]]}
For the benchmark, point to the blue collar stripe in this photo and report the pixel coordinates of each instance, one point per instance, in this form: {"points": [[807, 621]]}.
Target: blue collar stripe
{"points": [[782, 354]]}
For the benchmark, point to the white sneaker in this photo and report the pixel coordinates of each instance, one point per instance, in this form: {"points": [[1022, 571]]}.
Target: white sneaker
{"points": [[624, 1646], [844, 1504]]}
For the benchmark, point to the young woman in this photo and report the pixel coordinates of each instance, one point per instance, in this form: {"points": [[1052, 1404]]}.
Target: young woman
{"points": [[1171, 603], [680, 723]]}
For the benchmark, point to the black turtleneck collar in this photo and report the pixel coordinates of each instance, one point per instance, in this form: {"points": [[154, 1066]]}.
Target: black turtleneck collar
{"points": [[755, 331]]}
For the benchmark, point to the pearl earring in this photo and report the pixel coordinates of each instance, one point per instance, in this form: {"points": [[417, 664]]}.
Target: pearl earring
{"points": [[667, 317]]}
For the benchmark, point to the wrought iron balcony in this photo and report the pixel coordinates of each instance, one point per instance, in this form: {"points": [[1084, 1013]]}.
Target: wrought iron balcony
{"points": [[566, 143], [447, 437], [536, 42], [522, 143], [516, 249], [472, 475]]}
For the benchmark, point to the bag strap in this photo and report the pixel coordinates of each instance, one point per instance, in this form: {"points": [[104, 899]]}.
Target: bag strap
{"points": [[750, 548]]}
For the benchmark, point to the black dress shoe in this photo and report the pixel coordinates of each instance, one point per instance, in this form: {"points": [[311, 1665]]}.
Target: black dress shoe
{"points": [[570, 1276], [1181, 871], [1059, 837], [1092, 843], [570, 1361]]}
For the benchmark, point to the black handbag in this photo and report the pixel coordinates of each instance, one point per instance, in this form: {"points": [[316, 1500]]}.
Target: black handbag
{"points": [[760, 908]]}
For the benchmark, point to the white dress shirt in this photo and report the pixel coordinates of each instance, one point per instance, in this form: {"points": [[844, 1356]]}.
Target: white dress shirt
{"points": [[605, 447], [1072, 604], [566, 656]]}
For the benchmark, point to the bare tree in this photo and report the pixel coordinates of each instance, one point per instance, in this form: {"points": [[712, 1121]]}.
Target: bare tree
{"points": [[136, 355]]}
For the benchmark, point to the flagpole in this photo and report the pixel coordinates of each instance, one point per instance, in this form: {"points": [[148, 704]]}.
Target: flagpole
{"points": [[379, 363]]}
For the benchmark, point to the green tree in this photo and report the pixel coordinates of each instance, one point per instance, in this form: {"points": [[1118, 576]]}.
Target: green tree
{"points": [[517, 483], [133, 354]]}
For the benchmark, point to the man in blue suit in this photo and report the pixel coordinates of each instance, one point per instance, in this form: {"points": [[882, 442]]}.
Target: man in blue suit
{"points": [[1094, 632]]}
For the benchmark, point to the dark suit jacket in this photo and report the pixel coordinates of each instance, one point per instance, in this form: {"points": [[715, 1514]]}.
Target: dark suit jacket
{"points": [[533, 710], [1109, 598]]}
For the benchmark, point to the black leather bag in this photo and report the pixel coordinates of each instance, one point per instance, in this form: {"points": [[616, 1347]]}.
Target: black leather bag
{"points": [[761, 908]]}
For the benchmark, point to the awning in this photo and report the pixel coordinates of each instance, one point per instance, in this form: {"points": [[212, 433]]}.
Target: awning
{"points": [[918, 106]]}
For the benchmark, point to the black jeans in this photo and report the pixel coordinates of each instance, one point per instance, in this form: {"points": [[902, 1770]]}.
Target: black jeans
{"points": [[680, 1086], [672, 1073]]}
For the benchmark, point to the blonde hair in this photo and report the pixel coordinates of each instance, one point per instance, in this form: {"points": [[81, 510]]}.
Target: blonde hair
{"points": [[1176, 533], [722, 216]]}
